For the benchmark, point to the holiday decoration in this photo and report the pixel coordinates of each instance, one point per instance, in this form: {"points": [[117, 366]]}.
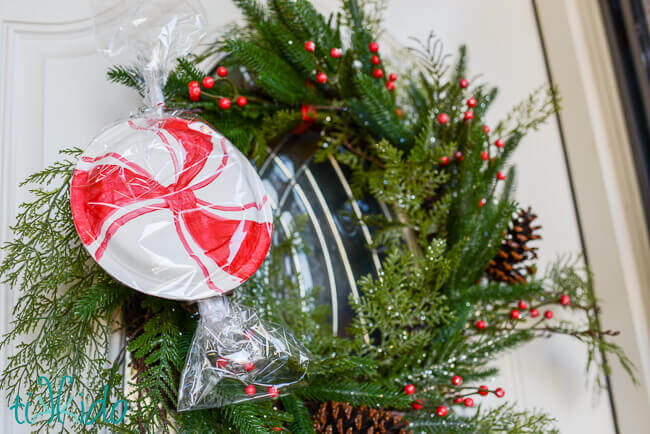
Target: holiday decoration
{"points": [[146, 183], [338, 417], [233, 346], [512, 262], [387, 213]]}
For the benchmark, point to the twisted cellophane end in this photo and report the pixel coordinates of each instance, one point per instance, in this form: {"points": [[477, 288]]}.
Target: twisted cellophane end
{"points": [[235, 357]]}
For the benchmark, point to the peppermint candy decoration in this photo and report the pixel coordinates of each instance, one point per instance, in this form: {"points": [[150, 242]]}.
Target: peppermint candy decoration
{"points": [[171, 208]]}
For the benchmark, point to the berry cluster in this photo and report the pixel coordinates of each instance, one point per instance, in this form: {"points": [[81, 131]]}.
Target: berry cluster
{"points": [[223, 363], [465, 399], [519, 312], [335, 53], [378, 72], [468, 115], [195, 92]]}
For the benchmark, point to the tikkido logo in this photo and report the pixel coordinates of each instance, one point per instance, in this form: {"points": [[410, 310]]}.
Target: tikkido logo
{"points": [[57, 410]]}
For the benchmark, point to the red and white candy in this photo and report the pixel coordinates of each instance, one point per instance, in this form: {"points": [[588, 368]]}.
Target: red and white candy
{"points": [[171, 208]]}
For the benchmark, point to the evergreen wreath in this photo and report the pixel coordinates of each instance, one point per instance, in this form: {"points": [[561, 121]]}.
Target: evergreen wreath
{"points": [[435, 318]]}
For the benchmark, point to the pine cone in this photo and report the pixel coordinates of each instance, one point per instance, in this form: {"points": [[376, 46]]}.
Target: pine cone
{"points": [[512, 262], [342, 418]]}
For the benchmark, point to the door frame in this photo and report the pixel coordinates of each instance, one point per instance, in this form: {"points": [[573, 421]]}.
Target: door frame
{"points": [[606, 190]]}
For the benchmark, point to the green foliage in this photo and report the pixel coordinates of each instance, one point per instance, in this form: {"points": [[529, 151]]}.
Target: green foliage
{"points": [[502, 419], [302, 423]]}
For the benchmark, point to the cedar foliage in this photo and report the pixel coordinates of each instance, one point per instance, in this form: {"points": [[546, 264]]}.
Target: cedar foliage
{"points": [[419, 313]]}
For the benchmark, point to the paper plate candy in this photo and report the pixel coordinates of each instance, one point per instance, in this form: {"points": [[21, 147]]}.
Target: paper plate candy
{"points": [[169, 207]]}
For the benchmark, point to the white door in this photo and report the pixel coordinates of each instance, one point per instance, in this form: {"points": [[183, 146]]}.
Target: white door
{"points": [[53, 94]]}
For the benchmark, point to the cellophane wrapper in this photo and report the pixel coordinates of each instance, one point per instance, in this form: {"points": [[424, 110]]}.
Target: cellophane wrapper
{"points": [[235, 356], [168, 206]]}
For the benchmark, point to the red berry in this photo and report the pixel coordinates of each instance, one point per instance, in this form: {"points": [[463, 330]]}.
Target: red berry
{"points": [[480, 324], [444, 160], [417, 404], [310, 46], [221, 71], [456, 380], [390, 85], [469, 402], [409, 389], [515, 314], [208, 82], [335, 53], [375, 60], [534, 313], [221, 362], [443, 118], [481, 203], [565, 300], [273, 391], [276, 428], [399, 112], [469, 115], [458, 399], [441, 411], [195, 93], [378, 73], [548, 314], [321, 77], [501, 176], [459, 156], [471, 102], [392, 76], [522, 305], [249, 366], [500, 393], [463, 83], [224, 103], [373, 47], [250, 390], [192, 84], [486, 129], [483, 390], [242, 101], [499, 143], [485, 156]]}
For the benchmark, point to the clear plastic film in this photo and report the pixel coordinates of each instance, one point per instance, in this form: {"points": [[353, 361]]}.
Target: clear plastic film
{"points": [[149, 35], [168, 206], [235, 357]]}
